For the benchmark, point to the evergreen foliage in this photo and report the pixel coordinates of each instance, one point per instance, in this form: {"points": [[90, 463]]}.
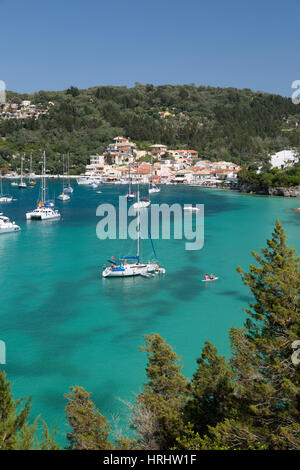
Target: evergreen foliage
{"points": [[89, 429], [220, 123]]}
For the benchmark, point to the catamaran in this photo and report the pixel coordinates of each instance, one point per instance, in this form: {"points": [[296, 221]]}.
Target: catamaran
{"points": [[69, 189], [63, 196], [7, 226], [132, 265], [45, 209], [22, 183], [4, 197]]}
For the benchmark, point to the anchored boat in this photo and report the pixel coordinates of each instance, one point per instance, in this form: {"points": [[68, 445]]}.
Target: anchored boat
{"points": [[132, 265], [6, 226], [45, 209], [63, 196]]}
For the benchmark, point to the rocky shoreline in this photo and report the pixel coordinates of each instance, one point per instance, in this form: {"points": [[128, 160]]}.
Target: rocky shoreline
{"points": [[293, 191]]}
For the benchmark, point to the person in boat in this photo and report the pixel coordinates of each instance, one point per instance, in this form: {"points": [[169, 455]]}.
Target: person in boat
{"points": [[206, 277], [212, 276]]}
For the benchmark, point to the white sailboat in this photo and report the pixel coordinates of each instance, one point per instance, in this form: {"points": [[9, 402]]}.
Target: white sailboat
{"points": [[22, 183], [32, 182], [69, 189], [4, 197], [45, 209], [131, 265], [63, 196], [6, 226]]}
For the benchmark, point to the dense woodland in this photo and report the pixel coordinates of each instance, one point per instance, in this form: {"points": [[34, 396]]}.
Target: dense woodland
{"points": [[220, 123], [250, 401], [269, 177]]}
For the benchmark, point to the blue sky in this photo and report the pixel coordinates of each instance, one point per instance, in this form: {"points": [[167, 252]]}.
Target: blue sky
{"points": [[245, 44]]}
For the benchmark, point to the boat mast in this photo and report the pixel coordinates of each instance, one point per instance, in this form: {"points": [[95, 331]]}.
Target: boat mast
{"points": [[21, 169], [138, 227], [129, 189], [69, 182], [63, 159], [43, 179]]}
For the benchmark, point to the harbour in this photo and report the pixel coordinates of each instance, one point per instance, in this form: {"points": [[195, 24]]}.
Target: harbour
{"points": [[64, 324]]}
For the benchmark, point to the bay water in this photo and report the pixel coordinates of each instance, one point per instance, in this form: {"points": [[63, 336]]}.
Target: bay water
{"points": [[64, 325]]}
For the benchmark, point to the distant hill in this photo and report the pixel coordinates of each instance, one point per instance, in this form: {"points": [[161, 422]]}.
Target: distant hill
{"points": [[220, 123]]}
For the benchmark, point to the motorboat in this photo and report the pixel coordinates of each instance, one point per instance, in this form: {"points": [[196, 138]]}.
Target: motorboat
{"points": [[6, 226]]}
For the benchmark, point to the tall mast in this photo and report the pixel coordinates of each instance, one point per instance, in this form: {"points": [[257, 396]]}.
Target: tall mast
{"points": [[63, 158], [129, 191], [21, 169], [138, 237], [69, 170], [43, 179]]}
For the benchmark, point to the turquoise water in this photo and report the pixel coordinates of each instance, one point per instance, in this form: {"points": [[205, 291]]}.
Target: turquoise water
{"points": [[65, 325]]}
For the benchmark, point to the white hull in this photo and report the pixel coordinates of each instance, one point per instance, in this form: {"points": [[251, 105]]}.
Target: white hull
{"points": [[191, 209], [6, 199], [6, 226], [63, 197], [43, 214], [138, 269], [154, 190], [69, 190], [14, 228], [141, 205]]}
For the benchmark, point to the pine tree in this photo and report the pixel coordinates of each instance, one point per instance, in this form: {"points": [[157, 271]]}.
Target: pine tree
{"points": [[158, 414], [90, 429], [212, 391], [15, 431], [268, 382]]}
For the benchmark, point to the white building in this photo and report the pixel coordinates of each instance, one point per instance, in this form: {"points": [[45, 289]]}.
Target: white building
{"points": [[284, 159], [96, 165]]}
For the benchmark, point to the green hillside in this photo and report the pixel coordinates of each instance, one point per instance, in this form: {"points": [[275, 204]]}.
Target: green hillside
{"points": [[221, 123]]}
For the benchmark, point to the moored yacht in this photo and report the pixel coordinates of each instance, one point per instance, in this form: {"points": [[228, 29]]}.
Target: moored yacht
{"points": [[63, 196], [86, 180], [142, 204], [5, 198], [22, 183], [45, 209], [6, 226], [68, 188], [132, 265], [43, 212]]}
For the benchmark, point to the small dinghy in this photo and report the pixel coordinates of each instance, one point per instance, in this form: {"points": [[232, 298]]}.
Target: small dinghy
{"points": [[209, 280], [148, 275]]}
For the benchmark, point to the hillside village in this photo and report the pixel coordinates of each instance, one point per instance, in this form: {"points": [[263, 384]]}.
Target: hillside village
{"points": [[160, 165], [23, 110]]}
